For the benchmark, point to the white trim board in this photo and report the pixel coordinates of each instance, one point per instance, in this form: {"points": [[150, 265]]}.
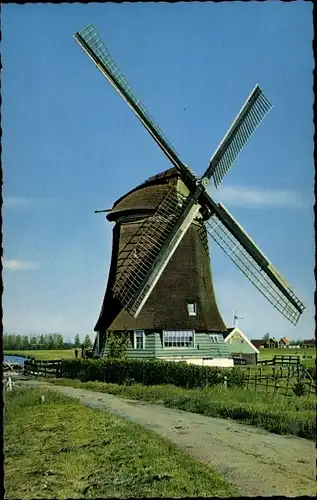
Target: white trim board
{"points": [[237, 330]]}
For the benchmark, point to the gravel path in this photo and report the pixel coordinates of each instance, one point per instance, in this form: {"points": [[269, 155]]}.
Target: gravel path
{"points": [[255, 461]]}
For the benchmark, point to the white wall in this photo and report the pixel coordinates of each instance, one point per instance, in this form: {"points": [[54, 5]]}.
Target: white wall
{"points": [[223, 362]]}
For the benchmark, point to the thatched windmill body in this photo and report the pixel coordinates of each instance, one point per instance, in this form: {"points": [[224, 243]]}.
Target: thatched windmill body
{"points": [[160, 278]]}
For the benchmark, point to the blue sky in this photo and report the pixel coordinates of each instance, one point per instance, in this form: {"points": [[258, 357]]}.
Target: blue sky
{"points": [[71, 145]]}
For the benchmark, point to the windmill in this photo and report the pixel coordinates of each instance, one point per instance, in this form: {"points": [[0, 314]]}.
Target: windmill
{"points": [[158, 223], [236, 318]]}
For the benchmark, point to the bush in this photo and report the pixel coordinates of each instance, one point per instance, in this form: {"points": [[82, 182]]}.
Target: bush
{"points": [[119, 371]]}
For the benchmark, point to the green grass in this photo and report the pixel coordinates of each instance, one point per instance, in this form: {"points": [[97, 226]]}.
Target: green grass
{"points": [[46, 354], [278, 414], [62, 449]]}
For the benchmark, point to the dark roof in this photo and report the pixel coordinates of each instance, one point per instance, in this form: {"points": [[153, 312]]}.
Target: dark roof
{"points": [[309, 342], [145, 197], [258, 342], [187, 276], [227, 332]]}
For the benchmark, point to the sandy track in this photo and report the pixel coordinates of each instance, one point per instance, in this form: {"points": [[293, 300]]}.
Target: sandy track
{"points": [[253, 460]]}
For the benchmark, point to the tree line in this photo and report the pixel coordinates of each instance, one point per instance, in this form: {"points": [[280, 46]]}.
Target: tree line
{"points": [[42, 342]]}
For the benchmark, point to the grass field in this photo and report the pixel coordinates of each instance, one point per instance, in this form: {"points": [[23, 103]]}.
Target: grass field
{"points": [[307, 356], [279, 414], [62, 449], [46, 354]]}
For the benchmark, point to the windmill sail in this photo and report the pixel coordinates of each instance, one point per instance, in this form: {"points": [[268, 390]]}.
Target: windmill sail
{"points": [[141, 265], [236, 243], [252, 113], [93, 45]]}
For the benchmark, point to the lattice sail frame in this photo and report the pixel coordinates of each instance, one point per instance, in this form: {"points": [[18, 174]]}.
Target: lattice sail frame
{"points": [[278, 293], [140, 253], [252, 113], [93, 45]]}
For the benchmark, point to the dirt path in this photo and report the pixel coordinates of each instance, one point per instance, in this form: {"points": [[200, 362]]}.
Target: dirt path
{"points": [[253, 460]]}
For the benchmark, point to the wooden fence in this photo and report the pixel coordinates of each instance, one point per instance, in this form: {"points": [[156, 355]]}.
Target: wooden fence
{"points": [[280, 380], [42, 367], [281, 361]]}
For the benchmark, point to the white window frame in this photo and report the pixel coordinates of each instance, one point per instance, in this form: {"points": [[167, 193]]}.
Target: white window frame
{"points": [[192, 304], [135, 339], [178, 334]]}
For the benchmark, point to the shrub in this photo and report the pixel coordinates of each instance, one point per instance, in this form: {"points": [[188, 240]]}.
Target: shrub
{"points": [[117, 344], [121, 371]]}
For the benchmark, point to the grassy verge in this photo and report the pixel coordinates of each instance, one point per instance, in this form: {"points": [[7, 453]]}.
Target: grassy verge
{"points": [[278, 414], [61, 449], [46, 354]]}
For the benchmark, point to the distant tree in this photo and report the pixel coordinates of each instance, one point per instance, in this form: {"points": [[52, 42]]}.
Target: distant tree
{"points": [[25, 344], [87, 342], [41, 342], [69, 345], [7, 341], [77, 341], [18, 342], [266, 337], [59, 341], [33, 342], [51, 342]]}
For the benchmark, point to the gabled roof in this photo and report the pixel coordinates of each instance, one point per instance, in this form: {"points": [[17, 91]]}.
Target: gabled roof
{"points": [[284, 340], [230, 333]]}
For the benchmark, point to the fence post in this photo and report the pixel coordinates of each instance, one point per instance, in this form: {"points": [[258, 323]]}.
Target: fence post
{"points": [[260, 373], [273, 373], [225, 381], [276, 387], [9, 384], [255, 381], [281, 371], [249, 377], [267, 383]]}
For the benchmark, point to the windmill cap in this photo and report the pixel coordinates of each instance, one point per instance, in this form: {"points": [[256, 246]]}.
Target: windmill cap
{"points": [[145, 198]]}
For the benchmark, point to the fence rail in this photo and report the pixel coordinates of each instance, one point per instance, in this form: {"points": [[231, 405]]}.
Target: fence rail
{"points": [[42, 367], [281, 360]]}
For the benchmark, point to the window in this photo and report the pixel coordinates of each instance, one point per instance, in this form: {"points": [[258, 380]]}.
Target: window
{"points": [[181, 338], [191, 308], [139, 339]]}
